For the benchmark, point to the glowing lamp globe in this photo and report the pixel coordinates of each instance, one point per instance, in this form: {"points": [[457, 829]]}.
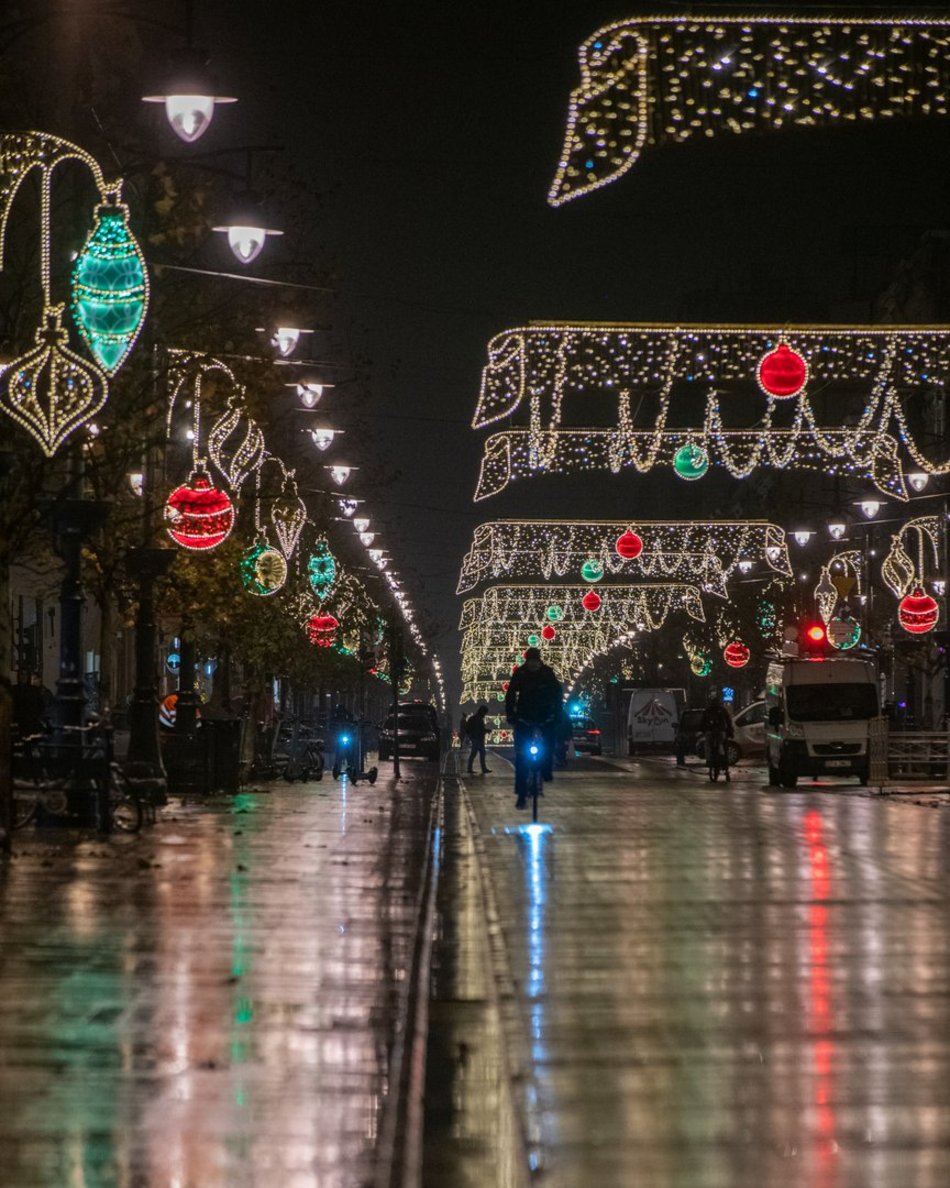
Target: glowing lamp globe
{"points": [[592, 570], [199, 516], [700, 666], [736, 654], [690, 462], [555, 613], [321, 628], [629, 546], [548, 632], [591, 601], [918, 612], [782, 372]]}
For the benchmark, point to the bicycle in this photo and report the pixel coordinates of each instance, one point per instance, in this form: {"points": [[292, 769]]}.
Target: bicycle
{"points": [[533, 755], [34, 784], [717, 755]]}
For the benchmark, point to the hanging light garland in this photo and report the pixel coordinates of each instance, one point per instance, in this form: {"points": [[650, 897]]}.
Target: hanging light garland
{"points": [[730, 365], [679, 78]]}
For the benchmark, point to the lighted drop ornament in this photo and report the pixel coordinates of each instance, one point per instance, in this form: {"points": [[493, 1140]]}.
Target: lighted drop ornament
{"points": [[736, 654], [629, 546], [592, 570], [782, 373], [918, 612], [199, 515], [690, 461], [591, 601], [263, 569], [109, 286]]}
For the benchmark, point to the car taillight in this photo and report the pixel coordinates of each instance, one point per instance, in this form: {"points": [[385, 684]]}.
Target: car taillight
{"points": [[593, 732]]}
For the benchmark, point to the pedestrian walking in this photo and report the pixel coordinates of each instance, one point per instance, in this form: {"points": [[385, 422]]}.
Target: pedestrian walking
{"points": [[477, 728]]}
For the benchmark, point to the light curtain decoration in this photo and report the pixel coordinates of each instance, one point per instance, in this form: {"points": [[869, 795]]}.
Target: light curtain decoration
{"points": [[680, 78], [50, 390], [832, 399], [704, 554]]}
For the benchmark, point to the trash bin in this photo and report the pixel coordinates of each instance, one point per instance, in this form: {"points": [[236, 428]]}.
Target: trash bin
{"points": [[221, 739]]}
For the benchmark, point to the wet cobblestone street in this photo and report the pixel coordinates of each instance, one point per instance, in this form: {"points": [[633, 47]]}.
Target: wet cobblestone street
{"points": [[213, 1002]]}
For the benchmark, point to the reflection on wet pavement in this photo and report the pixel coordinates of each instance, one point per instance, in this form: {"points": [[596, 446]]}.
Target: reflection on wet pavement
{"points": [[209, 1003], [725, 987]]}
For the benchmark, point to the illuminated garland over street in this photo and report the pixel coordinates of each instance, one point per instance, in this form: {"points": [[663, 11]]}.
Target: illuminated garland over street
{"points": [[706, 554], [672, 79], [51, 390], [779, 380]]}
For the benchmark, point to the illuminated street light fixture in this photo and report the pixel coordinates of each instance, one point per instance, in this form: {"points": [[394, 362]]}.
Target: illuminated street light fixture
{"points": [[245, 228], [837, 529], [136, 479], [802, 536], [285, 338], [310, 392], [323, 436], [745, 565], [869, 507], [340, 473], [361, 523], [918, 480], [348, 506], [189, 97], [367, 538]]}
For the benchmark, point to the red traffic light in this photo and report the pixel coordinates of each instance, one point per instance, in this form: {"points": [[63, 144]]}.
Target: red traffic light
{"points": [[815, 634]]}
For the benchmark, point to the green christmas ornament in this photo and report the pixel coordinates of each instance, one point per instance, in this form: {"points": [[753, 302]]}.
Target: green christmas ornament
{"points": [[555, 613], [843, 632], [765, 618], [701, 666], [263, 570], [690, 461], [592, 570], [321, 570], [110, 286], [534, 641]]}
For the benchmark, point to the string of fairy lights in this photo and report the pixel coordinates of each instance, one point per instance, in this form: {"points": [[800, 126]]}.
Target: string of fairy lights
{"points": [[677, 78]]}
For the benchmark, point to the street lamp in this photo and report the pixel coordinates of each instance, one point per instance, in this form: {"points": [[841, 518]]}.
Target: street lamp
{"points": [[323, 436], [340, 473], [245, 228], [285, 338], [837, 529], [361, 523], [310, 392], [189, 96], [918, 480], [802, 536], [869, 507]]}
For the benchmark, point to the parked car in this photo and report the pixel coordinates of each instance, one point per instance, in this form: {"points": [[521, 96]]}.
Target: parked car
{"points": [[419, 732], [586, 735], [749, 725]]}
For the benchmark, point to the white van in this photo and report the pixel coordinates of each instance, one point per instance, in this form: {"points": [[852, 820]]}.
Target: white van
{"points": [[652, 717], [818, 718]]}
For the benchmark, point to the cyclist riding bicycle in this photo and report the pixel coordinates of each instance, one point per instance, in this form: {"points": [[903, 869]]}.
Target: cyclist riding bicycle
{"points": [[716, 725], [533, 701]]}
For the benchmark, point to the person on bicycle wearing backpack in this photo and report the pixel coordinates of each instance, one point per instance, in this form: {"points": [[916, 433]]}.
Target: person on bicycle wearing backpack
{"points": [[716, 726], [533, 701]]}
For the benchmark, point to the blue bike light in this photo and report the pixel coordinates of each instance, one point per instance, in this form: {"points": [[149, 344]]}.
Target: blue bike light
{"points": [[344, 738], [534, 748]]}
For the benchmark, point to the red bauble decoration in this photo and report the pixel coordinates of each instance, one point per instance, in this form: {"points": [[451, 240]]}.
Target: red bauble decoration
{"points": [[591, 601], [918, 612], [548, 632], [736, 654], [629, 545], [505, 684], [199, 515], [321, 628], [782, 372]]}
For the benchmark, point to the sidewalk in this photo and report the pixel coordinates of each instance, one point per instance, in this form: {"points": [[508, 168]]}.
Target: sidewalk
{"points": [[213, 1003]]}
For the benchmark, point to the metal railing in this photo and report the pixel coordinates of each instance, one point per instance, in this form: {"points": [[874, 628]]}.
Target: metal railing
{"points": [[918, 755]]}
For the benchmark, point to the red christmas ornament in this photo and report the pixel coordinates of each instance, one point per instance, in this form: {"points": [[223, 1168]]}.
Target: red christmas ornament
{"points": [[629, 545], [199, 515], [591, 601], [548, 632], [918, 612], [505, 684], [320, 629], [782, 372], [736, 654]]}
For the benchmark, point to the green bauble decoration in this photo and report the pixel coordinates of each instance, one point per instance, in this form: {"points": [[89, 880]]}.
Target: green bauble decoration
{"points": [[110, 287], [592, 570], [321, 570], [843, 632], [555, 613], [765, 617], [701, 666], [690, 461], [534, 641], [263, 569]]}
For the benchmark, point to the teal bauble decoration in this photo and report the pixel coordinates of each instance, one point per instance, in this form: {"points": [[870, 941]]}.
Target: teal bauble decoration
{"points": [[690, 461], [592, 570], [110, 287], [321, 570]]}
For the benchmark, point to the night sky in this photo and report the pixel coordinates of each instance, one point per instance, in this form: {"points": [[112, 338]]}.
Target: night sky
{"points": [[434, 134]]}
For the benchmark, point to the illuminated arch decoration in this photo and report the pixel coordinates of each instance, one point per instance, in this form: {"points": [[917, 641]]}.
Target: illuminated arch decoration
{"points": [[675, 79], [51, 391], [863, 376], [699, 553]]}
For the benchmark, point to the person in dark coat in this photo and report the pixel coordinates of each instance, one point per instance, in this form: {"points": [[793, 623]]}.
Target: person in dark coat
{"points": [[476, 728], [533, 700]]}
